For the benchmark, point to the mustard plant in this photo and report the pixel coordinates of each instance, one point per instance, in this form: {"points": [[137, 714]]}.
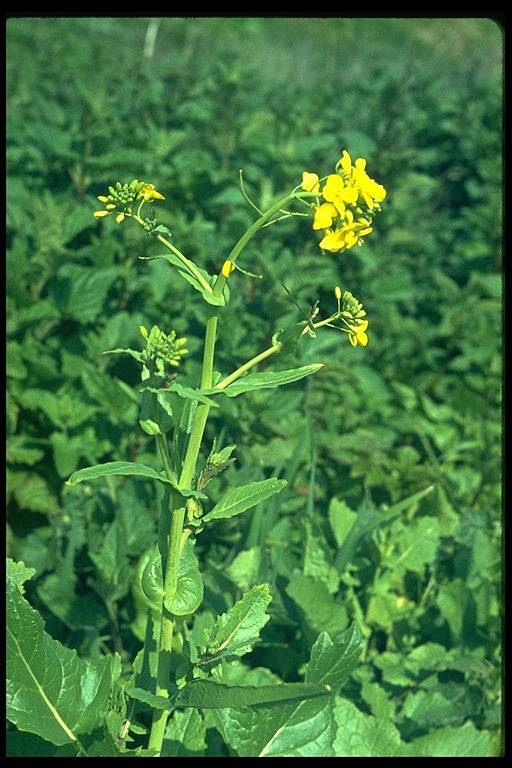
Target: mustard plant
{"points": [[342, 206]]}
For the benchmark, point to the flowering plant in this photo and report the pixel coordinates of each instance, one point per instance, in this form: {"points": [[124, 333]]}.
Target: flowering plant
{"points": [[343, 204]]}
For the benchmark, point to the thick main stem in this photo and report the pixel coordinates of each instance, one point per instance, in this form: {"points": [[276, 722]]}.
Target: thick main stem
{"points": [[177, 510]]}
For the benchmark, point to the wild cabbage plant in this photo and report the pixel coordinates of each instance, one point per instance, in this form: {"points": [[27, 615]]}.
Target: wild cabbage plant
{"points": [[62, 698]]}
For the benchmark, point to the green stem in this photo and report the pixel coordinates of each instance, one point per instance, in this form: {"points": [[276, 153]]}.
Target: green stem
{"points": [[176, 540], [248, 365], [255, 226], [191, 267], [167, 625], [263, 355]]}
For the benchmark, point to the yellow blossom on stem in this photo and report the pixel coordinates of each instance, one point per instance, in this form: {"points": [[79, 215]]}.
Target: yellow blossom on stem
{"points": [[310, 182], [333, 241], [357, 334], [324, 216], [338, 194], [148, 192]]}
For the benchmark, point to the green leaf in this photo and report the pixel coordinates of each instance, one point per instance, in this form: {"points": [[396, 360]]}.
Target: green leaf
{"points": [[18, 573], [361, 735], [293, 728], [32, 492], [245, 569], [18, 451], [238, 500], [453, 600], [186, 392], [369, 518], [341, 519], [320, 609], [269, 379], [155, 702], [189, 589], [111, 468], [218, 301], [155, 418], [208, 694], [289, 337], [236, 631], [417, 545], [152, 582], [331, 662], [51, 691], [132, 352], [465, 741], [185, 735]]}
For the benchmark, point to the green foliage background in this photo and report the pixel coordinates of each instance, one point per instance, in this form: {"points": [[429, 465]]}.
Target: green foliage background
{"points": [[421, 100]]}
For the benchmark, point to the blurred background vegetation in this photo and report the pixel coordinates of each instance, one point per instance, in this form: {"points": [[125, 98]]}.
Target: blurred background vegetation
{"points": [[184, 104]]}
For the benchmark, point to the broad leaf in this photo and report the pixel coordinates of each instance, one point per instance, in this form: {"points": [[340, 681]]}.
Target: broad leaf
{"points": [[332, 662], [18, 573], [465, 741], [269, 379], [185, 735], [321, 610], [361, 735], [293, 728], [238, 500], [285, 729], [235, 631], [208, 694], [189, 589], [51, 691], [111, 468]]}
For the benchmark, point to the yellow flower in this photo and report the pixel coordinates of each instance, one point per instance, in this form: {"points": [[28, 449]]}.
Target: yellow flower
{"points": [[148, 192], [100, 214], [310, 182], [324, 215], [357, 334], [345, 162], [371, 192], [338, 194], [333, 241]]}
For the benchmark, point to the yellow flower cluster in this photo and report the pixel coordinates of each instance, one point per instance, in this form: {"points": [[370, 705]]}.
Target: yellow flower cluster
{"points": [[122, 197], [351, 199]]}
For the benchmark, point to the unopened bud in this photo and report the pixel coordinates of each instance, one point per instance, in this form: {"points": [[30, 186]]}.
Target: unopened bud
{"points": [[227, 268]]}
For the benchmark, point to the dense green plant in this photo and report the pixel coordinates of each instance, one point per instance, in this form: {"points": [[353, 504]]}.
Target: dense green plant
{"points": [[418, 407]]}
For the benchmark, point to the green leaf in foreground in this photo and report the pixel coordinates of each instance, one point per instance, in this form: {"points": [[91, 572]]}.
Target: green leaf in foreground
{"points": [[362, 735], [111, 468], [208, 694], [238, 500], [51, 691], [18, 573], [465, 741], [269, 379], [185, 735], [235, 631], [294, 728]]}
